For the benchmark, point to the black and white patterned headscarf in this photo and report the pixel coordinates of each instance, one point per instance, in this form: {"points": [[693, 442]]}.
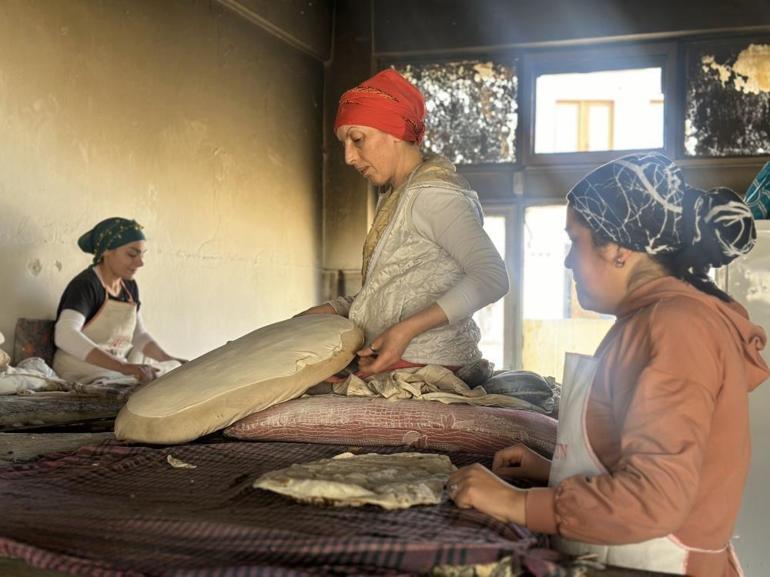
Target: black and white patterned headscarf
{"points": [[642, 202]]}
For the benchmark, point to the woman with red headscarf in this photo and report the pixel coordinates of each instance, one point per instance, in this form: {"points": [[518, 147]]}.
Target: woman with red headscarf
{"points": [[428, 265]]}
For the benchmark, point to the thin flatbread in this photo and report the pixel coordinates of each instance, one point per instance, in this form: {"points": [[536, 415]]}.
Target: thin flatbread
{"points": [[395, 481]]}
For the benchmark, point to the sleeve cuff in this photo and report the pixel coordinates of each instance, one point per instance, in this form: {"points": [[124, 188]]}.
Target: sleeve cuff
{"points": [[452, 309], [541, 511]]}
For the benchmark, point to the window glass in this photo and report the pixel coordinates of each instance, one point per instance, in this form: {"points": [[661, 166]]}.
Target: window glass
{"points": [[471, 109], [554, 321], [491, 319], [606, 110], [728, 99]]}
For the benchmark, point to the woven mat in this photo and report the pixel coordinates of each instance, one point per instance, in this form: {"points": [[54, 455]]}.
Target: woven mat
{"points": [[116, 510]]}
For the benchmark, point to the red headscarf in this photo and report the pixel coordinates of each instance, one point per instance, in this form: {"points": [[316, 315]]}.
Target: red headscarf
{"points": [[387, 102]]}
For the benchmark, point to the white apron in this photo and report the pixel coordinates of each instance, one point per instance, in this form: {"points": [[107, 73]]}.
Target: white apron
{"points": [[573, 455], [112, 330]]}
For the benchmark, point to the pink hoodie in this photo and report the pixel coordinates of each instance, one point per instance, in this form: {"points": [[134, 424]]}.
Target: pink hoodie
{"points": [[668, 418]]}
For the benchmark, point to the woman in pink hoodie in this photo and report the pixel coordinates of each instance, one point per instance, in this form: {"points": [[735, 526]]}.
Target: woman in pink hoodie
{"points": [[653, 447]]}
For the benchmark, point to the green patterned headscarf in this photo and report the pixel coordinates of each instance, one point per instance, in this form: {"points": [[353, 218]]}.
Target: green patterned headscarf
{"points": [[758, 195], [109, 234]]}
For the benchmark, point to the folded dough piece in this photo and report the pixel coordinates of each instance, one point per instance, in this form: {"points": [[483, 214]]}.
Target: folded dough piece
{"points": [[396, 481], [268, 366]]}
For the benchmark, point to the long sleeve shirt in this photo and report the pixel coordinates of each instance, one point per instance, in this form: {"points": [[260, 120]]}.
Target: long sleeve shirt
{"points": [[69, 336]]}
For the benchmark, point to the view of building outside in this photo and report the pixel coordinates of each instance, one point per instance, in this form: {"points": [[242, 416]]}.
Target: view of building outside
{"points": [[607, 110]]}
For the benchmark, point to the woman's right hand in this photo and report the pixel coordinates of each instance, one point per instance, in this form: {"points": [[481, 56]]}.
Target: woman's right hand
{"points": [[324, 309], [143, 373], [521, 462]]}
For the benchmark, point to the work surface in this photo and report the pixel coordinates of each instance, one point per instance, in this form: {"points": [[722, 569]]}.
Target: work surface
{"points": [[120, 510], [114, 509]]}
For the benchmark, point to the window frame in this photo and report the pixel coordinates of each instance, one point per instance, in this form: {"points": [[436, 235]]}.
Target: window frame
{"points": [[511, 337], [600, 58], [508, 189]]}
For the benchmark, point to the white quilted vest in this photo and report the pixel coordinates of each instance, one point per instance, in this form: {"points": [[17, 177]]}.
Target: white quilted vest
{"points": [[409, 272]]}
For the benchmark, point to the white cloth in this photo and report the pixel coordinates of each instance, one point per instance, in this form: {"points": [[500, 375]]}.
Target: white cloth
{"points": [[428, 383], [434, 250], [5, 358], [574, 456], [69, 336], [29, 376]]}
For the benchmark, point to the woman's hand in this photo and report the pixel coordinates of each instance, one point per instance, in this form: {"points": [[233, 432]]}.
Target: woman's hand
{"points": [[521, 462], [386, 350], [478, 488], [324, 309], [143, 373]]}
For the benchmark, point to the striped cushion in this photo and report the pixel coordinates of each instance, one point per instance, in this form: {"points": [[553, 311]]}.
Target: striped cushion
{"points": [[333, 419]]}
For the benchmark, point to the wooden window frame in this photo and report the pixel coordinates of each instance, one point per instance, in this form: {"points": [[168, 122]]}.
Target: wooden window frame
{"points": [[583, 117]]}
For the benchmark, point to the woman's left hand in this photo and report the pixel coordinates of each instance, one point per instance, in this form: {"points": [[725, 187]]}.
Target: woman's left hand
{"points": [[386, 350], [477, 487]]}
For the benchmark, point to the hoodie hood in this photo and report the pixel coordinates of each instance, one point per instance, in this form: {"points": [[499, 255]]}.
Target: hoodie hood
{"points": [[753, 337]]}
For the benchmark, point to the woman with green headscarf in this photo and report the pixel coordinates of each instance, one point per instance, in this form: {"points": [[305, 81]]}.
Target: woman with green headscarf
{"points": [[98, 321]]}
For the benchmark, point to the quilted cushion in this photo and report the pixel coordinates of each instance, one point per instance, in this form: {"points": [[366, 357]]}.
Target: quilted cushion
{"points": [[359, 421], [273, 364]]}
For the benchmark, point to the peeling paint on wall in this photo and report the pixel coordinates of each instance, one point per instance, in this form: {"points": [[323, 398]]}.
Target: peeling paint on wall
{"points": [[728, 99], [34, 267], [750, 73]]}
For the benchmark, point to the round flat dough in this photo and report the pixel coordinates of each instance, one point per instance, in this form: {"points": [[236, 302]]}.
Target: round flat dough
{"points": [[396, 481], [268, 366]]}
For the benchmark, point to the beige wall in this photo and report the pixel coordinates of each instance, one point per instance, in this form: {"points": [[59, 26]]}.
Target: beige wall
{"points": [[180, 114]]}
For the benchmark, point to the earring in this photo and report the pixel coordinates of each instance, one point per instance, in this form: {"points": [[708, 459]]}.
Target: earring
{"points": [[619, 263]]}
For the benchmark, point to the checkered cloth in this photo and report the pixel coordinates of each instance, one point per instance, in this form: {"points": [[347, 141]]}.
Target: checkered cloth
{"points": [[115, 510]]}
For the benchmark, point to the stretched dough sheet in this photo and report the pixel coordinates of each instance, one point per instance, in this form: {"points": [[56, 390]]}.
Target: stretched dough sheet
{"points": [[268, 366], [396, 481]]}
